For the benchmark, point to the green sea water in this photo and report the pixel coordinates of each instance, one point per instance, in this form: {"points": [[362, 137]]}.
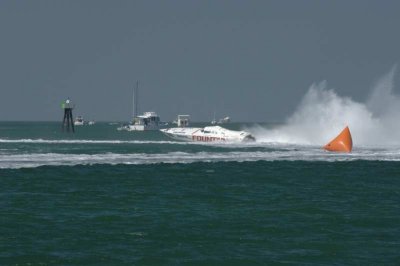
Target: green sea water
{"points": [[107, 197]]}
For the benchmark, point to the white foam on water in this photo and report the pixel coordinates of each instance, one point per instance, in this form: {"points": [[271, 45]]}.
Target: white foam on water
{"points": [[157, 142], [83, 141], [294, 154], [322, 114], [222, 144]]}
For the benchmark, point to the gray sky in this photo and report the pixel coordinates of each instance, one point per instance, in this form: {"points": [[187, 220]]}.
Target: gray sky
{"points": [[252, 60]]}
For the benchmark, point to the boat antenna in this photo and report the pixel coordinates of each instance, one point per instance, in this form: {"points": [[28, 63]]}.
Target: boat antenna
{"points": [[135, 100]]}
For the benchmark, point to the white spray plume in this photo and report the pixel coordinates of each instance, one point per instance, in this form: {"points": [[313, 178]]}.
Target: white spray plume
{"points": [[322, 114]]}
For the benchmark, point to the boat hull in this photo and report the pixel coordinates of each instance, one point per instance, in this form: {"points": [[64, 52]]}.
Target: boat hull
{"points": [[208, 134], [142, 127]]}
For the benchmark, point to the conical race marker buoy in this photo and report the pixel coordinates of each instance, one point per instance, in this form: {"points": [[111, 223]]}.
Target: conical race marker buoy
{"points": [[342, 143]]}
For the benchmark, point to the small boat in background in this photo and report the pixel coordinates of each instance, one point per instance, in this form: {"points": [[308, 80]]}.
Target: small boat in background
{"points": [[224, 120], [79, 121], [91, 123], [214, 122], [147, 121], [182, 120]]}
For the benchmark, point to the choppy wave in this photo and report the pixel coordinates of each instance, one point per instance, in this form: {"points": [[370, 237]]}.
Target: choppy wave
{"points": [[84, 141], [315, 154], [224, 144]]}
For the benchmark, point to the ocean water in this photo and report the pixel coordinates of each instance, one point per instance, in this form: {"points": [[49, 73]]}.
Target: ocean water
{"points": [[107, 197]]}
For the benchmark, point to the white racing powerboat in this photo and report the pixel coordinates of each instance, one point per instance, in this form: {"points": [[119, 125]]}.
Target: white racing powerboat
{"points": [[207, 134]]}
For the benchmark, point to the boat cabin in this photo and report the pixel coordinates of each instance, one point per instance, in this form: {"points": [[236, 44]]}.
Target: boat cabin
{"points": [[148, 118], [183, 120]]}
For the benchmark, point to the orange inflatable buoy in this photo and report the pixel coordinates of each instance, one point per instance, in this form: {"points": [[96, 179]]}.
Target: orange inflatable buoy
{"points": [[342, 143]]}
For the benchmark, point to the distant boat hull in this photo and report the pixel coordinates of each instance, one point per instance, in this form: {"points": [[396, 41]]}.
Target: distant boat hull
{"points": [[143, 127], [134, 127], [146, 122]]}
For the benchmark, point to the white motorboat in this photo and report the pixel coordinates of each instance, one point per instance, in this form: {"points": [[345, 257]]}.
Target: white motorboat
{"points": [[147, 121], [224, 120], [207, 134], [79, 121]]}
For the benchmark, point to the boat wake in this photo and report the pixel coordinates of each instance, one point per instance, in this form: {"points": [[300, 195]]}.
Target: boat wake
{"points": [[226, 144], [82, 141], [323, 113], [15, 161]]}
